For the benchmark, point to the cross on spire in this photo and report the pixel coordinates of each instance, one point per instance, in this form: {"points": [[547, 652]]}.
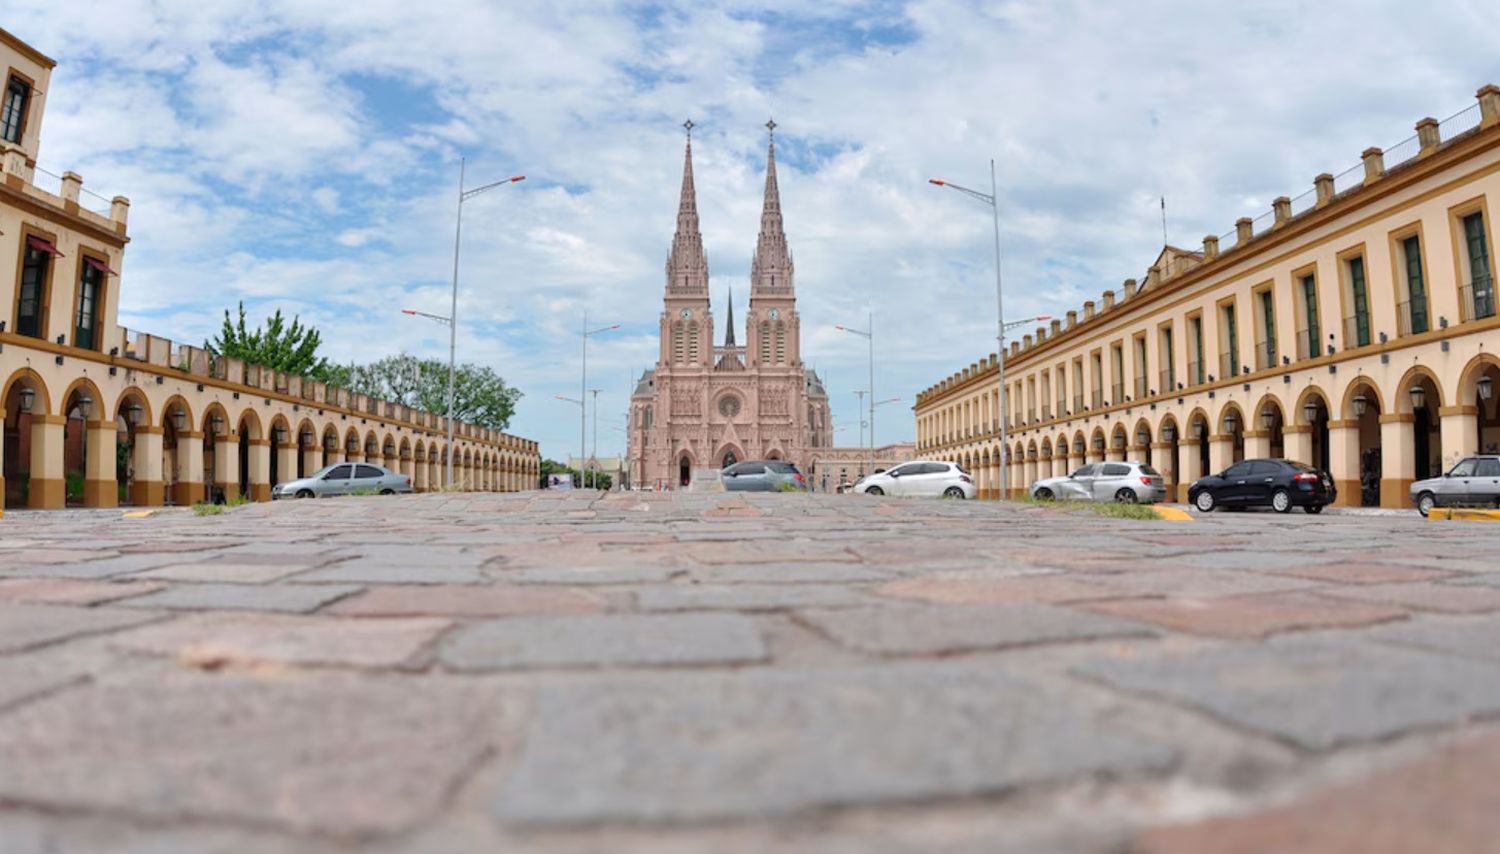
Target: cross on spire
{"points": [[771, 127], [688, 126]]}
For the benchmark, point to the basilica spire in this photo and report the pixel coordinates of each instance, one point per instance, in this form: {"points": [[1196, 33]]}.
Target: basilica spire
{"points": [[687, 266], [771, 270], [729, 326]]}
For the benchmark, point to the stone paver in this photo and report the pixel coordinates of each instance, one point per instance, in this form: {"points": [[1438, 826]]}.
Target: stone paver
{"points": [[931, 630], [1256, 616], [1319, 692], [211, 641], [642, 674], [249, 597], [467, 601], [609, 640], [766, 744], [26, 626]]}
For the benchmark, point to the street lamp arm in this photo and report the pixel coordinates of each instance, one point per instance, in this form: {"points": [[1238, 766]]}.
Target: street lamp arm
{"points": [[469, 194], [983, 197], [438, 317], [860, 332], [600, 329]]}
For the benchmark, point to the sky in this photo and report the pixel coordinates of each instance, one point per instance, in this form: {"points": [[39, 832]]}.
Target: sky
{"points": [[304, 155]]}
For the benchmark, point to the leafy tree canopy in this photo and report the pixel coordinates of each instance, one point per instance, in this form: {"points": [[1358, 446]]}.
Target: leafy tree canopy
{"points": [[480, 396], [604, 479], [290, 348]]}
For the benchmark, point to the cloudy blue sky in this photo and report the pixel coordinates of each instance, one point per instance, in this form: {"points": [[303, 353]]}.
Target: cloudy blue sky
{"points": [[304, 154]]}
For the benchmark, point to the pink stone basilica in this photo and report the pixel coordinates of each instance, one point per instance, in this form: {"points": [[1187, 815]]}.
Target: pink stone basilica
{"points": [[707, 407]]}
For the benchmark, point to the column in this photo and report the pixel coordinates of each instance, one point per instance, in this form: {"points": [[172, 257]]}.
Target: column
{"points": [[1220, 451], [1460, 431], [419, 474], [227, 464], [332, 455], [312, 458], [1028, 474], [1115, 454], [48, 490], [188, 489], [1192, 466], [1162, 461], [147, 488], [1396, 462], [1257, 444], [1343, 456], [1017, 484], [1299, 446], [405, 464], [286, 462], [260, 470], [2, 460], [99, 486], [1075, 461]]}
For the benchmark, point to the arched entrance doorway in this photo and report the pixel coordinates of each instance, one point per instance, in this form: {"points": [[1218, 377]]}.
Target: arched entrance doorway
{"points": [[1315, 417], [1487, 405], [684, 471], [1427, 439], [25, 399], [130, 449], [1273, 425], [244, 459], [1364, 405], [729, 459], [1205, 457], [80, 407]]}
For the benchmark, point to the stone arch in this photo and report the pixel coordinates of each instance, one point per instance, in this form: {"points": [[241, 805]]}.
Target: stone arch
{"points": [[1275, 439], [174, 404], [1198, 420], [1374, 397], [1468, 379], [1045, 449], [1425, 434], [280, 420], [721, 455], [1223, 419], [86, 386], [773, 454], [351, 441], [1119, 438], [249, 418], [1414, 376], [1307, 396], [1483, 435], [42, 402], [138, 396]]}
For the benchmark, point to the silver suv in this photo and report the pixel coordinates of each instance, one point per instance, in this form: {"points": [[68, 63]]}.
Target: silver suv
{"points": [[763, 476], [1472, 482], [344, 479], [1125, 482]]}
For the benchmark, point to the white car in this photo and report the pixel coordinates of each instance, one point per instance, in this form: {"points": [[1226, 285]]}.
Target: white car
{"points": [[920, 478]]}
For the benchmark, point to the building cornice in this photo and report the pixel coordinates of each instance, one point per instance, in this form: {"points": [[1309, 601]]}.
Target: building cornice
{"points": [[17, 197], [26, 50]]}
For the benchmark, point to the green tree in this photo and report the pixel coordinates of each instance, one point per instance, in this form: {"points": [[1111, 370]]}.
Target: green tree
{"points": [[480, 396], [290, 348], [605, 480]]}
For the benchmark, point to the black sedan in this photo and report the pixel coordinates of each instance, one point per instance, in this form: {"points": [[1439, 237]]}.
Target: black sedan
{"points": [[1278, 484]]}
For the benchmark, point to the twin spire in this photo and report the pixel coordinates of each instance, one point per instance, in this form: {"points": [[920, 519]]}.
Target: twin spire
{"points": [[687, 266]]}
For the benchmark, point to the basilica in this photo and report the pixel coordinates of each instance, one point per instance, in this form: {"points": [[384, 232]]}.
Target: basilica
{"points": [[705, 407]]}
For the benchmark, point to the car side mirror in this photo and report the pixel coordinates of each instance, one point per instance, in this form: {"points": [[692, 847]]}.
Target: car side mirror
{"points": [[1447, 474]]}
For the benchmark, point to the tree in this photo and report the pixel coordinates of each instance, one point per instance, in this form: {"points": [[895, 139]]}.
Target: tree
{"points": [[292, 349], [605, 480], [480, 396]]}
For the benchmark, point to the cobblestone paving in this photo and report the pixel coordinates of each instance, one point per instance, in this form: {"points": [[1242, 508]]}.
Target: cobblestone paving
{"points": [[651, 673]]}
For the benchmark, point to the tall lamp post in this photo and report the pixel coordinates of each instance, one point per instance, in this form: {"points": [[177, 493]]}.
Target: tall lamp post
{"points": [[868, 333], [992, 199], [582, 463], [583, 385], [452, 318], [594, 456], [860, 413]]}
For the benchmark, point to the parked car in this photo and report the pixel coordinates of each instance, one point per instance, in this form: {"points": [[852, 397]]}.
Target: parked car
{"points": [[1472, 482], [922, 477], [1124, 482], [1278, 484], [343, 479], [763, 476]]}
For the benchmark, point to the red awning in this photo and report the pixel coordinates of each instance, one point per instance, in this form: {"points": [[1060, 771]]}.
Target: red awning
{"points": [[99, 265], [41, 245]]}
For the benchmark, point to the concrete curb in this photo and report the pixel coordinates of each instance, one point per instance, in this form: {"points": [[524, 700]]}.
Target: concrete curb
{"points": [[1171, 514], [1463, 515]]}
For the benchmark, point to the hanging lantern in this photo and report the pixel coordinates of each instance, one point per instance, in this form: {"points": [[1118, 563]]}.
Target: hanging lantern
{"points": [[1309, 412], [1078, 447], [1231, 423], [1142, 437], [1486, 388], [306, 439], [1200, 429], [179, 420], [85, 406], [352, 444], [1119, 440], [1361, 405], [278, 434], [28, 397], [218, 424], [1268, 418], [1169, 433], [331, 443], [1098, 443], [1418, 396], [133, 413]]}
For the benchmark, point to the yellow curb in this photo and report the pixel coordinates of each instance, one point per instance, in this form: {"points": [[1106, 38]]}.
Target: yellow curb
{"points": [[1461, 515], [139, 514], [1172, 514]]}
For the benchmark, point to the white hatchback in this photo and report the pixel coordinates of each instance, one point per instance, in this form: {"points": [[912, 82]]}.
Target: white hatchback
{"points": [[921, 478]]}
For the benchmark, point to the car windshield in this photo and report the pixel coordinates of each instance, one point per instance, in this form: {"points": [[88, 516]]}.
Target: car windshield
{"points": [[1465, 468]]}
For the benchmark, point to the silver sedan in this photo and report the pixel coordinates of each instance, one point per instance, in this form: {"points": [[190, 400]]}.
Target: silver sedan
{"points": [[1125, 482], [344, 479]]}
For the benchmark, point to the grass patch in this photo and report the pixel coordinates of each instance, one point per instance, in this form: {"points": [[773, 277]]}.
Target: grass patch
{"points": [[203, 508], [1107, 509]]}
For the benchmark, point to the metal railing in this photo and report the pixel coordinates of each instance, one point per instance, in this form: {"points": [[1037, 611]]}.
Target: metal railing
{"points": [[1195, 374], [1046, 412], [1229, 365], [1097, 398], [1352, 336], [1142, 390], [1077, 403], [1411, 319], [1477, 299], [1117, 393], [1168, 382], [1309, 344], [1265, 355]]}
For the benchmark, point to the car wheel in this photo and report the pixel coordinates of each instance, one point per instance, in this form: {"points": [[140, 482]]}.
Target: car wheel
{"points": [[1044, 494], [1425, 502], [387, 492], [1314, 509], [304, 493], [1126, 495], [874, 490], [1281, 501], [1205, 502], [953, 492]]}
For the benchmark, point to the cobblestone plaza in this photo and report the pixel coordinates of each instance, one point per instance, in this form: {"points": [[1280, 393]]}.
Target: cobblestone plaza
{"points": [[652, 672]]}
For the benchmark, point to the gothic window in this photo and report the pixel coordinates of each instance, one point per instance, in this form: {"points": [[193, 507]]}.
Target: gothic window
{"points": [[764, 354], [677, 344], [693, 342], [780, 343], [729, 406]]}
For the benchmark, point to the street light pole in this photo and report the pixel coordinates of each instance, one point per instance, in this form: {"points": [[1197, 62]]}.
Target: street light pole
{"points": [[868, 333], [583, 388], [859, 413], [595, 455]]}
